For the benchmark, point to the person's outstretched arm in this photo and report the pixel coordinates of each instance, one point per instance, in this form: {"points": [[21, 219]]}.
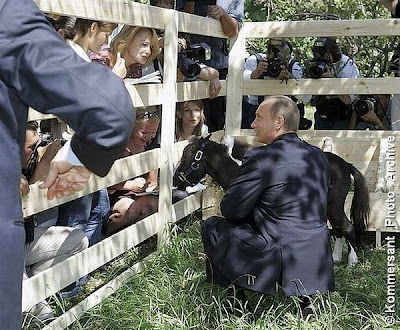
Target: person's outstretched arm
{"points": [[44, 73]]}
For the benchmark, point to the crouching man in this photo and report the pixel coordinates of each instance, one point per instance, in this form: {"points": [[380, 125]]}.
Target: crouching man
{"points": [[274, 228]]}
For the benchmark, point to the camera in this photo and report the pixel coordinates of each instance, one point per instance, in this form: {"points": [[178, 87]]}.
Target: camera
{"points": [[47, 138], [274, 67], [317, 68], [364, 104], [189, 58], [275, 58]]}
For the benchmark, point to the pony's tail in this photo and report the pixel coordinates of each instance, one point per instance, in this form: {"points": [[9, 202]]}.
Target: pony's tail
{"points": [[360, 205]]}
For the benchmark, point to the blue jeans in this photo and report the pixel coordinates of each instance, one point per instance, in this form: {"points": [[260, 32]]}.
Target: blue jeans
{"points": [[86, 213]]}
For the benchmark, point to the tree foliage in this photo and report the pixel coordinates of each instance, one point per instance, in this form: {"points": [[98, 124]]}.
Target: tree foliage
{"points": [[372, 54]]}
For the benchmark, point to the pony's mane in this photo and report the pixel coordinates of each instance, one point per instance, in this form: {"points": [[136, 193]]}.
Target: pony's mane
{"points": [[218, 147]]}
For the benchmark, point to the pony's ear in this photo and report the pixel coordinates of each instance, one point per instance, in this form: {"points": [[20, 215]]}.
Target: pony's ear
{"points": [[207, 137]]}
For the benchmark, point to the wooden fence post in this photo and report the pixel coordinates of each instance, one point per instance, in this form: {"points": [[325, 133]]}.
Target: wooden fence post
{"points": [[234, 89], [165, 210]]}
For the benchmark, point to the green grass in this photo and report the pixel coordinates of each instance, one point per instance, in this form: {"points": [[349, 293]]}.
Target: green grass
{"points": [[171, 293]]}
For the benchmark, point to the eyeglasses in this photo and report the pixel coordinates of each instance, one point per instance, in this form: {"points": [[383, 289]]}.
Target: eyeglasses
{"points": [[148, 114]]}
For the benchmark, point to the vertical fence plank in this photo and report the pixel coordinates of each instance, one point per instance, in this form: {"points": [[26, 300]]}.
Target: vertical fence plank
{"points": [[167, 125], [234, 89]]}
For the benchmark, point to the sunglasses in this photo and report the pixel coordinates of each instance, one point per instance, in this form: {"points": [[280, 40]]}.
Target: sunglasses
{"points": [[148, 114]]}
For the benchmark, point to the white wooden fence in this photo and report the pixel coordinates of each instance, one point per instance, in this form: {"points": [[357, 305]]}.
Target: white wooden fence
{"points": [[167, 94]]}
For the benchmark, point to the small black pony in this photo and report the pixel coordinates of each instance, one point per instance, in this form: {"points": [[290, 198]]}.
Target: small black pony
{"points": [[202, 156]]}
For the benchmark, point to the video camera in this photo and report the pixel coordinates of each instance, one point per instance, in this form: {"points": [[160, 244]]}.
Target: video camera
{"points": [[189, 58], [364, 104]]}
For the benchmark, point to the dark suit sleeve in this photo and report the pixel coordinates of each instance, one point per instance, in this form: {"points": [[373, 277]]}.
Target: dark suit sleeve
{"points": [[245, 189], [47, 75]]}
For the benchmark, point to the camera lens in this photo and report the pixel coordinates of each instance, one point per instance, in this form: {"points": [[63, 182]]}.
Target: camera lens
{"points": [[361, 107], [274, 68], [188, 67], [317, 70]]}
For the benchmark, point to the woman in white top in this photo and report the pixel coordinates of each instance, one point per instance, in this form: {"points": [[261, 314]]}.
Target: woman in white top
{"points": [[190, 120], [90, 36]]}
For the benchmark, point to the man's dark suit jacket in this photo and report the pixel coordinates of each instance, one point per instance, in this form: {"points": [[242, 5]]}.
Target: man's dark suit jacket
{"points": [[38, 69], [275, 228]]}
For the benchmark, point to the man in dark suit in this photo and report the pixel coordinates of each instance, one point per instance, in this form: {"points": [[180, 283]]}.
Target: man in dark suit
{"points": [[274, 228], [38, 69]]}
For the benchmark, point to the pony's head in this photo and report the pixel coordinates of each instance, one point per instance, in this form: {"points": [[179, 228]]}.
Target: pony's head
{"points": [[191, 168]]}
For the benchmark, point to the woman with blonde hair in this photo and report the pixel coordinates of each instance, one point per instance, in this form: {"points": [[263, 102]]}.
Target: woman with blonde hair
{"points": [[127, 207], [133, 51], [190, 120]]}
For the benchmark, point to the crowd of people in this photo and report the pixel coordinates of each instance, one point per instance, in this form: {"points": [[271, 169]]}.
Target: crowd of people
{"points": [[332, 112], [129, 52], [57, 233]]}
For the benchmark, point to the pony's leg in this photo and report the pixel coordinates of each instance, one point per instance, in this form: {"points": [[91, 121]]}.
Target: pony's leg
{"points": [[343, 228], [338, 249], [352, 259]]}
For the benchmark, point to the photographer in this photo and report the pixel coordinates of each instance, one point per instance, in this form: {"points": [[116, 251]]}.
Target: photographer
{"points": [[333, 111], [277, 63], [190, 58], [371, 112], [230, 14]]}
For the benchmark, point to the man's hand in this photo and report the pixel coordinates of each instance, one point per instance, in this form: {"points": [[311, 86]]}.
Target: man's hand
{"points": [[119, 67], [229, 24], [285, 75], [261, 68], [23, 185], [215, 12], [215, 87], [182, 44], [372, 118], [64, 179]]}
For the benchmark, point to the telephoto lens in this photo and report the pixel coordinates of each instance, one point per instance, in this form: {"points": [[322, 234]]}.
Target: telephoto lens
{"points": [[188, 67]]}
